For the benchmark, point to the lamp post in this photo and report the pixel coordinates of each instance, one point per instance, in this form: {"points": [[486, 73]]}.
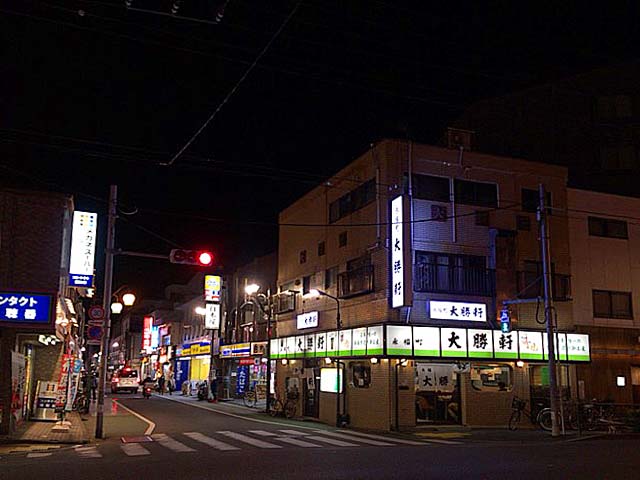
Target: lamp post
{"points": [[319, 293]]}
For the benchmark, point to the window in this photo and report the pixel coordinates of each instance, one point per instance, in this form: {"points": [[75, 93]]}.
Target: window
{"points": [[427, 187], [475, 193], [530, 200], [492, 378], [449, 273], [607, 304], [306, 284], [606, 227], [352, 201], [321, 248], [361, 375], [342, 239], [303, 256], [523, 223], [330, 277], [482, 218]]}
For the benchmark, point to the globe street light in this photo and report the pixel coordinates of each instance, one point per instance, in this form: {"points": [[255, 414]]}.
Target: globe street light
{"points": [[128, 299], [116, 307]]}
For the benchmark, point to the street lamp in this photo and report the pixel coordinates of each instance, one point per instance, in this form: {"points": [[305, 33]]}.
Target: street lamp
{"points": [[314, 292], [116, 308], [128, 299], [200, 311]]}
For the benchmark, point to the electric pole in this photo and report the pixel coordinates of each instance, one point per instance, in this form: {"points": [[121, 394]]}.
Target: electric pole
{"points": [[548, 308]]}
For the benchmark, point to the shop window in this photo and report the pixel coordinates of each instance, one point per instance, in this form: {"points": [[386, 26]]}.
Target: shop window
{"points": [[492, 378], [361, 375]]}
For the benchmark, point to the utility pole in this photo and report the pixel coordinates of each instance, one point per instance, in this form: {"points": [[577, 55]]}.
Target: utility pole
{"points": [[548, 308], [106, 303]]}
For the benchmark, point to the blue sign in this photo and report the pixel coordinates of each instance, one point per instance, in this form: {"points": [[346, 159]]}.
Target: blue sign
{"points": [[505, 321], [25, 308], [242, 379], [77, 280], [182, 373]]}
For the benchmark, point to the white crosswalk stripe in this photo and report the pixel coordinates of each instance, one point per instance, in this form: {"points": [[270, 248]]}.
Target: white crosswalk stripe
{"points": [[294, 432], [361, 440], [251, 441], [88, 452], [134, 450], [264, 433], [212, 442], [382, 437], [39, 454], [297, 442], [331, 441], [168, 442]]}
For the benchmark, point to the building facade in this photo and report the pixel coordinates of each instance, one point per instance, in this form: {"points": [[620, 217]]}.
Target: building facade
{"points": [[392, 276]]}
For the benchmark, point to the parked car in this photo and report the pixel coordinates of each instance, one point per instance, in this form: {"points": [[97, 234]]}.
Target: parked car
{"points": [[125, 379]]}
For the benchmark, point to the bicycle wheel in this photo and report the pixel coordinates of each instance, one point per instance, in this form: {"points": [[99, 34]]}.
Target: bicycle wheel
{"points": [[290, 409], [276, 408], [249, 399], [544, 419], [515, 420]]}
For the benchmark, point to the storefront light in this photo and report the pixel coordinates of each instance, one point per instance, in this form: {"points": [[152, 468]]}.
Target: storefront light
{"points": [[519, 364], [284, 361], [403, 362], [327, 360], [374, 360]]}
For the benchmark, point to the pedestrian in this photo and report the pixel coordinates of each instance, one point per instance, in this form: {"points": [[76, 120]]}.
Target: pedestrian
{"points": [[214, 389], [94, 386], [171, 385], [161, 382]]}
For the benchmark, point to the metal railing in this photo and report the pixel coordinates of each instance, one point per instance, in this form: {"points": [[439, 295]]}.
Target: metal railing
{"points": [[435, 278], [355, 282]]}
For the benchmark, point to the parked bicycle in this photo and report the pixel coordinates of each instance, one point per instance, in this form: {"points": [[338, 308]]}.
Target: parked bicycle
{"points": [[251, 397], [283, 408], [519, 409]]}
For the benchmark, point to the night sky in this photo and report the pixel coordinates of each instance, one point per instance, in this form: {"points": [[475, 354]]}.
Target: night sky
{"points": [[94, 93]]}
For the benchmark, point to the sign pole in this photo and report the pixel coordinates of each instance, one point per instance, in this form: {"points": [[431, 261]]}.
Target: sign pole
{"points": [[106, 301]]}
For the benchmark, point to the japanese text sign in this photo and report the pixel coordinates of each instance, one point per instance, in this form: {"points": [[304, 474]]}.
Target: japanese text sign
{"points": [[212, 316], [147, 324], [480, 343], [83, 248], [399, 340], [25, 308], [397, 253], [212, 287], [307, 320], [474, 312], [453, 342]]}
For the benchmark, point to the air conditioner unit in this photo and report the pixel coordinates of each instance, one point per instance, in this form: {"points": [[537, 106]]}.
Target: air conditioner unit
{"points": [[458, 138]]}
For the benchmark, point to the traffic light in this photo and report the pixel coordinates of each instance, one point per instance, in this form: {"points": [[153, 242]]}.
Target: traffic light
{"points": [[202, 258]]}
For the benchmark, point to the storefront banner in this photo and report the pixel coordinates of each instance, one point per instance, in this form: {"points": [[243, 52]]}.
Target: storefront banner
{"points": [[434, 377], [505, 345], [300, 346], [469, 312], [236, 350], [291, 347], [282, 347], [359, 341], [274, 348], [530, 344], [344, 343], [310, 345], [426, 341], [560, 346], [578, 347], [147, 323], [307, 320], [258, 348], [399, 340], [321, 344], [453, 342], [375, 340], [242, 379], [397, 253], [332, 344], [25, 308], [480, 343]]}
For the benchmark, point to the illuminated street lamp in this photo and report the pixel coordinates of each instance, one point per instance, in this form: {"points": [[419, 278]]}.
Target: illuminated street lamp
{"points": [[128, 299], [314, 292], [116, 307], [200, 311]]}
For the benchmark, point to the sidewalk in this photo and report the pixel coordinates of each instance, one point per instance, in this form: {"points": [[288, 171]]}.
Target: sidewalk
{"points": [[46, 432]]}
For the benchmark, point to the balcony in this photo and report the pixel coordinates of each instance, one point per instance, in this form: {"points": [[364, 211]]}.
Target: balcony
{"points": [[355, 282], [530, 286], [435, 278]]}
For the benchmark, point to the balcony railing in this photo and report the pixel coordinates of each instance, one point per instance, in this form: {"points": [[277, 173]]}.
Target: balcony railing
{"points": [[355, 282], [435, 278], [530, 286]]}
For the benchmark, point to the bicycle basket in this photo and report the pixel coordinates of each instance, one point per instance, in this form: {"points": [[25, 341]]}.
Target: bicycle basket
{"points": [[518, 403]]}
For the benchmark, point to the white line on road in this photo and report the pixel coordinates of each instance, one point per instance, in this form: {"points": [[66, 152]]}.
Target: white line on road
{"points": [[170, 443], [331, 441], [150, 428], [38, 454], [263, 433], [134, 449], [381, 437], [294, 432], [297, 442], [88, 452], [361, 440], [212, 442], [249, 440]]}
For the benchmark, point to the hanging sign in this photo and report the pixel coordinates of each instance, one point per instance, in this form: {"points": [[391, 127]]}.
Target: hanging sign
{"points": [[147, 325], [25, 308], [212, 287], [212, 316], [472, 312], [307, 320], [83, 248], [397, 253]]}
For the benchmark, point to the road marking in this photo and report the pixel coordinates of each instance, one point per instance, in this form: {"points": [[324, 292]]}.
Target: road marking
{"points": [[88, 452], [212, 442], [134, 449], [381, 437], [361, 440], [38, 455], [294, 432], [263, 433], [168, 442], [331, 441], [249, 440], [297, 441], [150, 428]]}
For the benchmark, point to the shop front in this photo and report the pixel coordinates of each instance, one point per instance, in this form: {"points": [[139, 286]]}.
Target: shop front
{"points": [[244, 367], [400, 376], [192, 362]]}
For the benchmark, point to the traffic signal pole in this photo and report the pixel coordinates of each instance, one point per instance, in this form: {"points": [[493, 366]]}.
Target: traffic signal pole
{"points": [[548, 308], [106, 301]]}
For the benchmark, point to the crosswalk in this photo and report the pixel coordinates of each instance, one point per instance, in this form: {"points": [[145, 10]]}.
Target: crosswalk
{"points": [[233, 441]]}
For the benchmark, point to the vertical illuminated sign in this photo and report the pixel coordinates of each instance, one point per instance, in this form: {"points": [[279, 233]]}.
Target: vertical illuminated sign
{"points": [[212, 286], [83, 249], [147, 326], [397, 253]]}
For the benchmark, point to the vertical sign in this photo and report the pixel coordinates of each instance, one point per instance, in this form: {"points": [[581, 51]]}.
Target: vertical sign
{"points": [[212, 316], [147, 326], [375, 340], [397, 253], [212, 286], [83, 248]]}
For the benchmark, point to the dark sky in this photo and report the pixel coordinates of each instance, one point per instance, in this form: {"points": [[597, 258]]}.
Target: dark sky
{"points": [[94, 93]]}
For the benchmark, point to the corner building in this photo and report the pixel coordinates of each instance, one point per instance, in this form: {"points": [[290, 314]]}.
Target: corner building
{"points": [[416, 247]]}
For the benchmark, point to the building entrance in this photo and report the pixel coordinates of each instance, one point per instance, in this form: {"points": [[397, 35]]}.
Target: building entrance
{"points": [[437, 390], [311, 388]]}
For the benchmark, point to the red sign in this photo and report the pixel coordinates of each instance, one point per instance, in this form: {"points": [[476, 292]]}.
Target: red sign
{"points": [[246, 361], [96, 312], [146, 333]]}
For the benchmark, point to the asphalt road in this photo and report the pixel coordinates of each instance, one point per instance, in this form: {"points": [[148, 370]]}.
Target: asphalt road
{"points": [[193, 443]]}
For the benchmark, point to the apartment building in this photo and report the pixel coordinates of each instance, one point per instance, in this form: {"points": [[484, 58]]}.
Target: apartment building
{"points": [[391, 278]]}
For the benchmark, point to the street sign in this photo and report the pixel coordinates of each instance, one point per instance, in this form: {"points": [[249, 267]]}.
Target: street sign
{"points": [[505, 321], [94, 333], [96, 312]]}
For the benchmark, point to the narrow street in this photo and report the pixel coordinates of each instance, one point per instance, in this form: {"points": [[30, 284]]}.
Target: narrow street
{"points": [[194, 442]]}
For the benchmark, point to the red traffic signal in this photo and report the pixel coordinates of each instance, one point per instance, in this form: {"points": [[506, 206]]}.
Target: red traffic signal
{"points": [[202, 258]]}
